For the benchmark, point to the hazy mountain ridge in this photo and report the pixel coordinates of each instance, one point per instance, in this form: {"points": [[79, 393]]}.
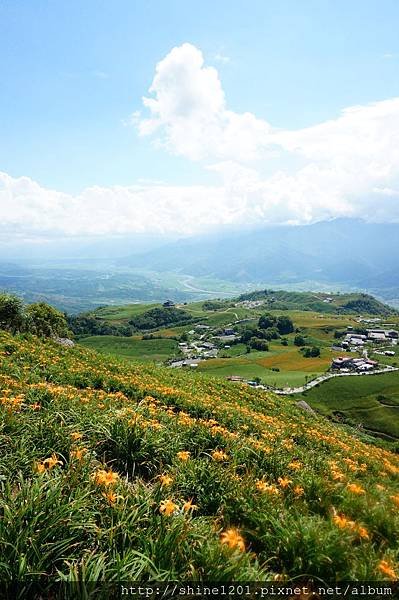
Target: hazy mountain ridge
{"points": [[337, 255], [342, 251]]}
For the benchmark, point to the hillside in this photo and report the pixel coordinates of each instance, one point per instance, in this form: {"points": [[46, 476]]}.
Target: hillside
{"points": [[282, 300], [131, 472], [341, 254], [349, 303]]}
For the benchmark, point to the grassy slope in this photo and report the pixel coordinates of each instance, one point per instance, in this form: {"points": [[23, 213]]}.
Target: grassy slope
{"points": [[356, 399], [307, 497], [131, 348]]}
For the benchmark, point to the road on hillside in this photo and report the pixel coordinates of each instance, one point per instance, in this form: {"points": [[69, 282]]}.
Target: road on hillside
{"points": [[326, 376], [187, 285]]}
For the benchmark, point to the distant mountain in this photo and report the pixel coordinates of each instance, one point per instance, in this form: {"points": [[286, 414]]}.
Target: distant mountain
{"points": [[341, 251]]}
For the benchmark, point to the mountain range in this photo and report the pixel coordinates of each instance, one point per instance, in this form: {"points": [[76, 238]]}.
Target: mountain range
{"points": [[342, 252]]}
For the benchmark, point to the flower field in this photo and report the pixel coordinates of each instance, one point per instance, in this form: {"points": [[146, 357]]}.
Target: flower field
{"points": [[111, 471]]}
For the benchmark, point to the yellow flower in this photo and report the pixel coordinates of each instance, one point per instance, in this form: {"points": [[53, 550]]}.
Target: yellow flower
{"points": [[183, 455], [342, 522], [337, 475], [395, 499], [387, 569], [295, 465], [298, 490], [363, 533], [168, 507], [233, 539], [284, 482], [103, 477], [219, 455], [51, 462], [355, 488], [261, 485], [78, 453], [111, 497], [189, 506], [165, 480], [75, 435], [48, 463]]}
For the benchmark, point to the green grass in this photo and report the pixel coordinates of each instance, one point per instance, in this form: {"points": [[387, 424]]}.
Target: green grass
{"points": [[356, 398], [131, 348], [90, 452], [122, 313], [278, 379]]}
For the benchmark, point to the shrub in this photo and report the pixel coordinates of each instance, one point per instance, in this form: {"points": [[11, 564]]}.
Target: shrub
{"points": [[45, 321], [11, 313]]}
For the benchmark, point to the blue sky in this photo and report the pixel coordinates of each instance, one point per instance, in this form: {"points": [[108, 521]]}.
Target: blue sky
{"points": [[73, 73]]}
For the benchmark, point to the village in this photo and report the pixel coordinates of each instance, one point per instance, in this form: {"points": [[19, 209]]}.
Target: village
{"points": [[357, 344], [372, 340], [204, 343]]}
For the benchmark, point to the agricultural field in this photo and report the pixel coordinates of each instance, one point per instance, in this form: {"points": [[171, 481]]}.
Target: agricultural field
{"points": [[132, 348], [281, 366], [112, 472], [370, 402], [290, 366]]}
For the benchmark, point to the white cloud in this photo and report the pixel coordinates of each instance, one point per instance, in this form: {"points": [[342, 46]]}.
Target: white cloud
{"points": [[347, 166], [189, 112], [221, 58]]}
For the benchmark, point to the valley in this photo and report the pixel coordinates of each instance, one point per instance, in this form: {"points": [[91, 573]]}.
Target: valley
{"points": [[211, 344]]}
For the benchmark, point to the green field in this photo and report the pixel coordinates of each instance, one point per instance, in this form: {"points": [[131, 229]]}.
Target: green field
{"points": [[131, 348], [121, 314], [352, 399], [371, 401]]}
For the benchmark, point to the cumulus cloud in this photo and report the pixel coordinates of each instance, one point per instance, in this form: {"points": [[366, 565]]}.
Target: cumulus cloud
{"points": [[188, 111], [25, 206], [342, 163], [347, 166]]}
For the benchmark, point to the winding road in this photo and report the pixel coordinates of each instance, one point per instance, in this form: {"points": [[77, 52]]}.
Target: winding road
{"points": [[326, 376]]}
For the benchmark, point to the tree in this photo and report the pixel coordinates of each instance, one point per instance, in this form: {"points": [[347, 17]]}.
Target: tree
{"points": [[267, 320], [11, 313], [249, 332], [299, 340], [285, 325], [45, 321], [312, 352], [258, 344], [271, 333]]}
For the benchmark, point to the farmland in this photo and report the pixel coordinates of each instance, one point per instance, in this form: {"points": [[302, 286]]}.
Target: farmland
{"points": [[370, 402], [353, 400], [123, 472], [281, 366]]}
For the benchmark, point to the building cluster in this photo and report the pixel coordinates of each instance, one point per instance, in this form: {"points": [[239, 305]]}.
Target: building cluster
{"points": [[251, 303], [349, 363], [372, 336], [202, 345]]}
